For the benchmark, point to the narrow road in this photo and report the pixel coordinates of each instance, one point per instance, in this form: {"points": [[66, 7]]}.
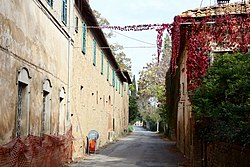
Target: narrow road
{"points": [[140, 149]]}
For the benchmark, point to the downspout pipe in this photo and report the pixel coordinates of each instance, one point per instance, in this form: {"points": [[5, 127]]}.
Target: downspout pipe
{"points": [[71, 5]]}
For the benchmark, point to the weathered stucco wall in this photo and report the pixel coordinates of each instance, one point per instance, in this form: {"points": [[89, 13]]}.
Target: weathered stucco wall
{"points": [[26, 35], [95, 102], [184, 123], [33, 38]]}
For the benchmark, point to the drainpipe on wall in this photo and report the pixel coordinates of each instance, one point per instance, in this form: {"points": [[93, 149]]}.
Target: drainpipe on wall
{"points": [[69, 63], [113, 114]]}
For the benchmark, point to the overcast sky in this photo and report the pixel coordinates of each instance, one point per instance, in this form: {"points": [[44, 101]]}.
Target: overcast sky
{"points": [[133, 12]]}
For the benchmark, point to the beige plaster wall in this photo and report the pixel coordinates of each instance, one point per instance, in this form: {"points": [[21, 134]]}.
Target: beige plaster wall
{"points": [[94, 101], [26, 35], [35, 38], [184, 117]]}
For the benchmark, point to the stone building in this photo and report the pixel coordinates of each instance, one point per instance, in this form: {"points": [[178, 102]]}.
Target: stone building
{"points": [[58, 78], [99, 87], [34, 70], [182, 123]]}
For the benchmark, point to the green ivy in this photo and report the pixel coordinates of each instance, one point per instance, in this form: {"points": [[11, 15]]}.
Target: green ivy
{"points": [[222, 104]]}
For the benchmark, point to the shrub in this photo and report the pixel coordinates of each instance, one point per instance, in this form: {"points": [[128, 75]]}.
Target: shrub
{"points": [[222, 104]]}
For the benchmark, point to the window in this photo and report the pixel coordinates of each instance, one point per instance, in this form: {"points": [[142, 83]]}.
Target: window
{"points": [[94, 52], [83, 38], [61, 120], [76, 22], [123, 85], [113, 124], [107, 70], [116, 83], [119, 86], [23, 95], [102, 62], [64, 11], [50, 2], [113, 77], [46, 107], [109, 100]]}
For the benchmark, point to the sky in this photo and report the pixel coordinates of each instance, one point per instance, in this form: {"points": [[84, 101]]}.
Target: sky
{"points": [[134, 12]]}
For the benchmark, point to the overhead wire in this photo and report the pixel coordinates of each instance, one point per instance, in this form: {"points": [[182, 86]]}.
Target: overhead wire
{"points": [[138, 40]]}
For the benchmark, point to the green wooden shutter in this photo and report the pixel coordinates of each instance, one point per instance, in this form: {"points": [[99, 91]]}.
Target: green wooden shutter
{"points": [[113, 77], [122, 89], [94, 52], [64, 11], [116, 82], [107, 70], [102, 62], [76, 26], [119, 86], [83, 38], [50, 2]]}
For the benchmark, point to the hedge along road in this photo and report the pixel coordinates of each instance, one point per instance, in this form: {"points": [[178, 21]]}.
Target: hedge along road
{"points": [[139, 149]]}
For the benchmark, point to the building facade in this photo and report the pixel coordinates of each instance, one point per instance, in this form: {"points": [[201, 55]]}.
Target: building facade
{"points": [[99, 87], [33, 84], [57, 76], [179, 81]]}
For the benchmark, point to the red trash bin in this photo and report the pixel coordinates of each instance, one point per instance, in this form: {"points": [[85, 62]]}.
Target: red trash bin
{"points": [[92, 141], [92, 145]]}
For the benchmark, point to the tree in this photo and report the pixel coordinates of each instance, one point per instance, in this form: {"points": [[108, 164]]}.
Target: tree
{"points": [[121, 58], [133, 106], [222, 104], [151, 87], [102, 22]]}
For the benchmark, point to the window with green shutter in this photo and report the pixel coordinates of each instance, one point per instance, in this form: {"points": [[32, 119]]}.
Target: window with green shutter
{"points": [[107, 70], [76, 24], [50, 2], [123, 85], [116, 83], [64, 11], [84, 30], [113, 77], [119, 86], [94, 52], [102, 62]]}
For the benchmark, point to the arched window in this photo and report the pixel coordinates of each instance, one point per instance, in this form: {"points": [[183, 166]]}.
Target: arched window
{"points": [[61, 120], [46, 107], [23, 96]]}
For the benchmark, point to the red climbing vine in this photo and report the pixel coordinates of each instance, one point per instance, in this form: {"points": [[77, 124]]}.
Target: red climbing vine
{"points": [[160, 28], [202, 36]]}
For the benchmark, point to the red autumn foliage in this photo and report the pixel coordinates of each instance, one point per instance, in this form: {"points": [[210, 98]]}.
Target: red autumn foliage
{"points": [[230, 32], [203, 35]]}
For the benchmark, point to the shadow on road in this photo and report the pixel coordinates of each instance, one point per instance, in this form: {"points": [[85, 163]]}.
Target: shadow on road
{"points": [[141, 148]]}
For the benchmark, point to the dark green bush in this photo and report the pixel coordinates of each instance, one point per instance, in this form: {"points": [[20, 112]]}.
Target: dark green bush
{"points": [[222, 104]]}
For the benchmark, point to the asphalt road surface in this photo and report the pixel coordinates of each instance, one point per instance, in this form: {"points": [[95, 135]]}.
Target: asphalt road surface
{"points": [[139, 149]]}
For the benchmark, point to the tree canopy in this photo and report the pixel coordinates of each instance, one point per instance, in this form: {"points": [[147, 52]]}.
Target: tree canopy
{"points": [[151, 86], [117, 49], [222, 104], [133, 106]]}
